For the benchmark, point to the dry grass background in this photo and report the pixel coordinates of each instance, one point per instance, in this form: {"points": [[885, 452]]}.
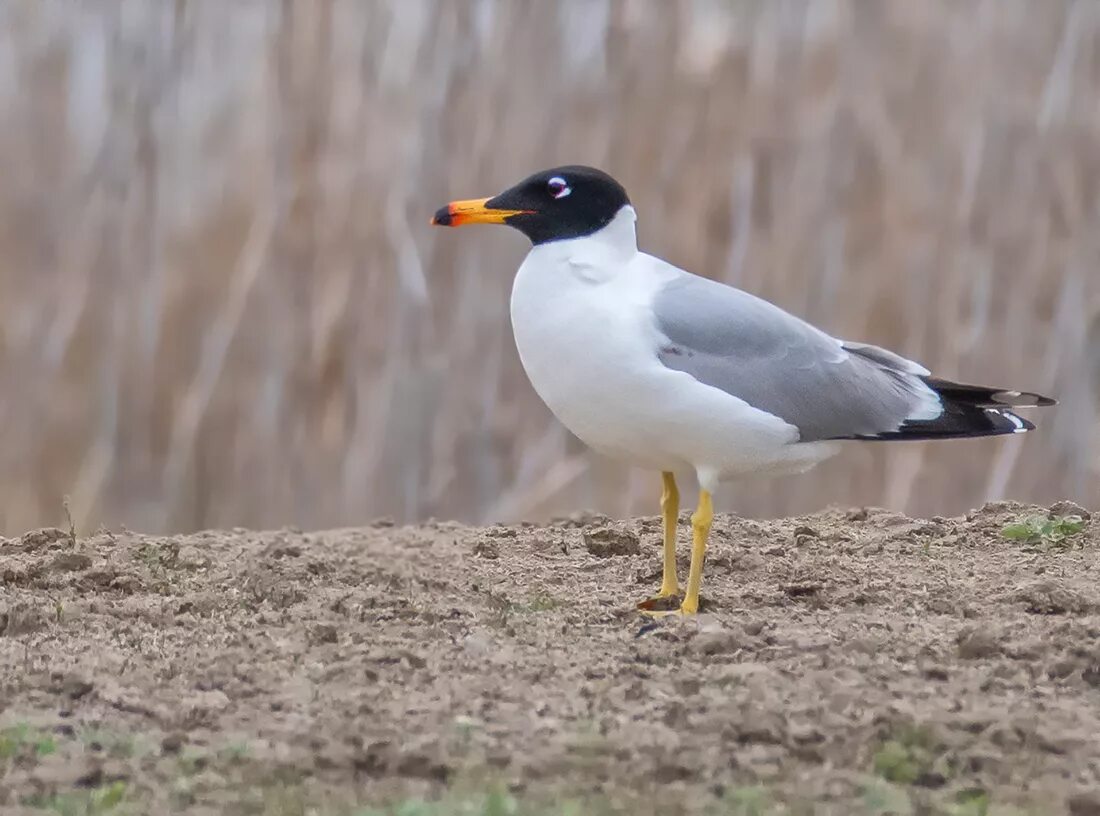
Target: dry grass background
{"points": [[221, 303]]}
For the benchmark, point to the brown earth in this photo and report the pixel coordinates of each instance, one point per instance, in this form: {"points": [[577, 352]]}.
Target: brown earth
{"points": [[846, 663]]}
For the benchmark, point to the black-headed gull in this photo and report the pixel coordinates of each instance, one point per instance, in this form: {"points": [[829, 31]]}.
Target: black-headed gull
{"points": [[667, 370]]}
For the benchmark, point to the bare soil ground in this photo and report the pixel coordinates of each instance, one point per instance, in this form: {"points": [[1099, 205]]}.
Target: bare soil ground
{"points": [[848, 662]]}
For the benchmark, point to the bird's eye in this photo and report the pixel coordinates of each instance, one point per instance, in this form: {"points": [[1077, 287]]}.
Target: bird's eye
{"points": [[558, 188]]}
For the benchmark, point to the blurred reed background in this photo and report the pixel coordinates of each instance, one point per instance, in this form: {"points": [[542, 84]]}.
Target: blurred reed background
{"points": [[221, 303]]}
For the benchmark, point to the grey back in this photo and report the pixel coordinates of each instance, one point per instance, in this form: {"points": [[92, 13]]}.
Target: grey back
{"points": [[778, 363]]}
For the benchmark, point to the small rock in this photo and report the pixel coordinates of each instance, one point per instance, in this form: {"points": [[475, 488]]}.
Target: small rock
{"points": [[486, 548], [803, 590], [172, 743], [978, 761], [996, 508], [70, 562], [760, 727], [1084, 804], [1051, 598], [414, 660], [373, 759], [941, 605], [893, 520], [126, 583], [478, 644], [909, 530], [754, 627], [91, 776], [21, 619], [721, 641], [689, 686], [36, 539], [76, 687], [668, 772], [421, 765], [1007, 737], [19, 575], [975, 722], [606, 542], [582, 518], [1033, 650], [803, 535], [286, 551], [805, 733], [974, 644], [1057, 743], [1062, 669], [324, 633], [936, 673], [1068, 508], [675, 716], [866, 645], [100, 578], [930, 779], [1091, 674]]}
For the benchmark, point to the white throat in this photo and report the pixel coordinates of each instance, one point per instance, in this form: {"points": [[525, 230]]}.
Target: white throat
{"points": [[620, 235], [594, 257]]}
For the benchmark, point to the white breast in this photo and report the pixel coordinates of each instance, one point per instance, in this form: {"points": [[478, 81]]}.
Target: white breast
{"points": [[581, 313], [585, 356]]}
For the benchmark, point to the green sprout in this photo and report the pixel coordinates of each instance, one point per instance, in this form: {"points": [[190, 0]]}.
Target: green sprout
{"points": [[1044, 531]]}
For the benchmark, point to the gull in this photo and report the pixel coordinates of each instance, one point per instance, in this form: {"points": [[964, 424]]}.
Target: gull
{"points": [[662, 369]]}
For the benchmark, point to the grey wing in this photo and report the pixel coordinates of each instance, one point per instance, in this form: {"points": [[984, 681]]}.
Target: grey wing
{"points": [[775, 362]]}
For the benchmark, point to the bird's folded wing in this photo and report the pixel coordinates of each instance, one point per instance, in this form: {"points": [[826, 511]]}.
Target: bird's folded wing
{"points": [[755, 351]]}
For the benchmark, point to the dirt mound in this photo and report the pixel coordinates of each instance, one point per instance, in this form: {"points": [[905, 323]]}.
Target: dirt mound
{"points": [[846, 662]]}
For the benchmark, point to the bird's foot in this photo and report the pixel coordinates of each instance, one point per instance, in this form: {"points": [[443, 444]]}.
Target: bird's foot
{"points": [[665, 602], [666, 605]]}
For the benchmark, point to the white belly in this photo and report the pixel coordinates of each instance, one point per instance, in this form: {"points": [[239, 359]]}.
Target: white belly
{"points": [[592, 359]]}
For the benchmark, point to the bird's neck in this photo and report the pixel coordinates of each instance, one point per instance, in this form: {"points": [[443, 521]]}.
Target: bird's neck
{"points": [[597, 256], [619, 236]]}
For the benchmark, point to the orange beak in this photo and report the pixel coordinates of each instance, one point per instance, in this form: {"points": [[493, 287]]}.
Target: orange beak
{"points": [[473, 211]]}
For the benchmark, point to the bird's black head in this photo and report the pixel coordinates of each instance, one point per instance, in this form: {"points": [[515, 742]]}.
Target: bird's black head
{"points": [[565, 202]]}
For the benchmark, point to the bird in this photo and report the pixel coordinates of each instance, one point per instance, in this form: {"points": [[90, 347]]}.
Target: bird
{"points": [[675, 372]]}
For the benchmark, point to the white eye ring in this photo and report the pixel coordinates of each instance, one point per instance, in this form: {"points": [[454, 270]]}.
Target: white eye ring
{"points": [[558, 188]]}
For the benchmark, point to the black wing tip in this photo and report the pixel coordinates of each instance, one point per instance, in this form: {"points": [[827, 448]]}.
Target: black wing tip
{"points": [[958, 422], [968, 412], [985, 397]]}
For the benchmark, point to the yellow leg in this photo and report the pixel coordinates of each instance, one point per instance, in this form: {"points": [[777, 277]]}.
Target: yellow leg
{"points": [[659, 604], [670, 509], [700, 529]]}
